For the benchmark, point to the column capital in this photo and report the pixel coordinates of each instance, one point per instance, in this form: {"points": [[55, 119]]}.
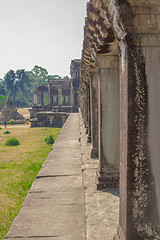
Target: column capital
{"points": [[103, 61], [138, 40]]}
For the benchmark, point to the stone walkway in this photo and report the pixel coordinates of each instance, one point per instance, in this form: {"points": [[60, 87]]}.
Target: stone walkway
{"points": [[63, 202], [54, 207]]}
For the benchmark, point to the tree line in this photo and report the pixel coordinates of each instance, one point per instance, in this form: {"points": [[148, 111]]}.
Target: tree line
{"points": [[20, 85]]}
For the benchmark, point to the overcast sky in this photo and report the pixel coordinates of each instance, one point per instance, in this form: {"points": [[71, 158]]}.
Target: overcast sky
{"points": [[47, 33]]}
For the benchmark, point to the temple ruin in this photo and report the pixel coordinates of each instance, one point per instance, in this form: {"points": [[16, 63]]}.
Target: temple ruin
{"points": [[56, 99], [9, 112], [119, 102]]}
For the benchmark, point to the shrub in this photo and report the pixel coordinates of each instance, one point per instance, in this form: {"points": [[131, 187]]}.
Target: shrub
{"points": [[0, 128], [6, 132], [11, 121], [49, 140], [12, 142]]}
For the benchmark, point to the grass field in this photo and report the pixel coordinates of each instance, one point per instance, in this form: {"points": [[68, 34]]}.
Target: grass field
{"points": [[19, 166]]}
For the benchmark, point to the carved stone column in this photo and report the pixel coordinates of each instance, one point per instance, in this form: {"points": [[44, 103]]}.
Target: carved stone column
{"points": [[71, 95], [59, 96], [108, 112], [86, 107], [35, 99], [139, 138], [42, 99], [89, 114], [50, 97], [94, 112]]}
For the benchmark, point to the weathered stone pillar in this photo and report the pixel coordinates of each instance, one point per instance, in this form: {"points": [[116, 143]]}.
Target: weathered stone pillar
{"points": [[85, 107], [59, 96], [108, 120], [35, 99], [139, 138], [87, 123], [51, 100], [89, 113], [42, 99], [71, 95], [83, 102], [94, 112], [50, 97]]}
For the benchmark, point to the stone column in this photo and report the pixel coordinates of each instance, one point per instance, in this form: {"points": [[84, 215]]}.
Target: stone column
{"points": [[82, 102], [71, 95], [35, 99], [89, 113], [50, 98], [139, 138], [59, 96], [87, 108], [94, 112], [108, 111], [42, 99]]}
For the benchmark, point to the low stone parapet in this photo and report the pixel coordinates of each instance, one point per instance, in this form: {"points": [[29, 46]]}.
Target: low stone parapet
{"points": [[49, 119]]}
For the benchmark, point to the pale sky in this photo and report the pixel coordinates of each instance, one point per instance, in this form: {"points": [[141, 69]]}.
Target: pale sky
{"points": [[47, 33]]}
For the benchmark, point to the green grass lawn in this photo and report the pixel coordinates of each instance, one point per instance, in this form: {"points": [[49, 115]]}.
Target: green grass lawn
{"points": [[19, 166]]}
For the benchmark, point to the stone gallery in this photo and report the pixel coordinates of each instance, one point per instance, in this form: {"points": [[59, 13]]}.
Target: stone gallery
{"points": [[120, 98], [62, 96]]}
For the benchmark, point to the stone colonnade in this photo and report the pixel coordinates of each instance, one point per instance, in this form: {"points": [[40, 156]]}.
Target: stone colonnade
{"points": [[50, 95], [119, 103]]}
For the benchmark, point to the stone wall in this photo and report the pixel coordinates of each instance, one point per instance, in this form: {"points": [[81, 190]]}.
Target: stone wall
{"points": [[120, 104], [49, 119]]}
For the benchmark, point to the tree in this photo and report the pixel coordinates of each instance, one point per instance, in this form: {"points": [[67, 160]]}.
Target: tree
{"points": [[24, 85], [22, 79], [9, 79], [54, 77], [39, 74], [17, 83], [3, 90], [65, 77]]}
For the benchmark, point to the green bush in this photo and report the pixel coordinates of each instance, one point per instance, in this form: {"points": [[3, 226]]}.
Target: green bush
{"points": [[0, 128], [6, 132], [11, 121], [12, 142], [49, 140]]}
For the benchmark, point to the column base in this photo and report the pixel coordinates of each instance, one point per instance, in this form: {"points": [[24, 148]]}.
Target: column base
{"points": [[107, 178], [89, 139], [94, 153], [119, 235]]}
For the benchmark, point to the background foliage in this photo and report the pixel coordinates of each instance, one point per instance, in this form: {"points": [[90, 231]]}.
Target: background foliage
{"points": [[21, 84]]}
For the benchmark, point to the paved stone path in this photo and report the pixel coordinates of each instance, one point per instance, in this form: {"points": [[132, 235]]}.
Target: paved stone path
{"points": [[54, 207], [63, 202]]}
